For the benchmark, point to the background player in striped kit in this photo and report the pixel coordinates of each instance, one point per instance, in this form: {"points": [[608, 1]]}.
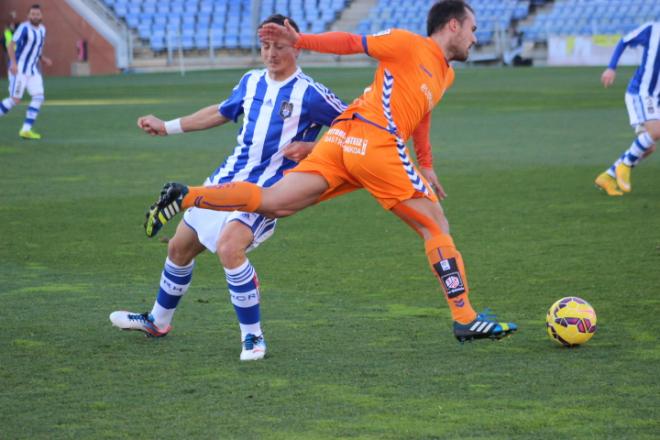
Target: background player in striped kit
{"points": [[643, 103], [25, 52], [365, 148], [284, 110]]}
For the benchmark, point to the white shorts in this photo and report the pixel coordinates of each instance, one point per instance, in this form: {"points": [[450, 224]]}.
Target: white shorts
{"points": [[209, 224], [642, 108], [18, 83]]}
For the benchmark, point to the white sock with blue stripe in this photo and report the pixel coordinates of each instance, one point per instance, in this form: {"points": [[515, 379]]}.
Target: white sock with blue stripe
{"points": [[32, 112], [6, 105], [243, 287], [612, 170], [174, 283], [634, 154]]}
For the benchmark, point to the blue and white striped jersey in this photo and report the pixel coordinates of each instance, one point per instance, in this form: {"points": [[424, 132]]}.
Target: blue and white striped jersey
{"points": [[645, 82], [29, 43], [275, 114]]}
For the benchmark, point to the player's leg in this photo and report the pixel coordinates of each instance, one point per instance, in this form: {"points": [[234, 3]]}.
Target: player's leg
{"points": [[641, 147], [174, 282], [321, 176], [426, 217], [242, 232], [385, 169], [16, 89], [35, 88], [616, 179], [294, 192]]}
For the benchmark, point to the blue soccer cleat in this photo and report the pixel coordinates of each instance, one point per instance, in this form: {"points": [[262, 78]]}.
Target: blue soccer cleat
{"points": [[167, 206], [484, 326], [143, 322], [254, 348]]}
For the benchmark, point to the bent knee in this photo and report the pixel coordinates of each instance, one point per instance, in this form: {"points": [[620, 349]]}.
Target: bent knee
{"points": [[231, 253], [180, 254], [279, 213]]}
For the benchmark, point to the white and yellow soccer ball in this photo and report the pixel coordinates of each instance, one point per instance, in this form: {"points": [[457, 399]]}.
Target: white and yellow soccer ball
{"points": [[571, 321]]}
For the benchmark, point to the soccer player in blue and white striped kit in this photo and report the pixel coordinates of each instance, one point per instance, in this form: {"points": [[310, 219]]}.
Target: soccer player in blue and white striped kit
{"points": [[643, 103], [25, 52], [284, 110]]}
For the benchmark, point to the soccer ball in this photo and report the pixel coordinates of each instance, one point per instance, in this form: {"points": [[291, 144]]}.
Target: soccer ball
{"points": [[571, 321]]}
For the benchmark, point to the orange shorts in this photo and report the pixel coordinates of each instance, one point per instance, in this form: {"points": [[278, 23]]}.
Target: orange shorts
{"points": [[354, 154]]}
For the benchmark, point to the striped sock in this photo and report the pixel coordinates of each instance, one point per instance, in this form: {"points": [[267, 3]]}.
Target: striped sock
{"points": [[174, 283], [244, 291], [6, 105], [32, 112], [612, 170], [634, 154]]}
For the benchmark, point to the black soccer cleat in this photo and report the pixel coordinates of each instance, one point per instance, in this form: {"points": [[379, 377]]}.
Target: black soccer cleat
{"points": [[485, 326], [167, 206]]}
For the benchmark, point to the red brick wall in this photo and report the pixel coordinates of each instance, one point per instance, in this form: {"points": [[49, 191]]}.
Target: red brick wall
{"points": [[64, 29]]}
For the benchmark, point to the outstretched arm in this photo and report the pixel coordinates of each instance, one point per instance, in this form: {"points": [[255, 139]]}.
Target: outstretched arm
{"points": [[340, 43], [203, 119]]}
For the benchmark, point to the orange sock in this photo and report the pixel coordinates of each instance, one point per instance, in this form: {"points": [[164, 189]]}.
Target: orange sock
{"points": [[447, 264], [234, 196]]}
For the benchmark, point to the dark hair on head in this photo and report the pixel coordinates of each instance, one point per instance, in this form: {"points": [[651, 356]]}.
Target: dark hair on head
{"points": [[443, 11], [35, 6], [279, 19]]}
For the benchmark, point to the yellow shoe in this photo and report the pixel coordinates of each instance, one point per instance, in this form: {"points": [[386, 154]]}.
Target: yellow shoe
{"points": [[608, 184], [623, 177], [29, 134]]}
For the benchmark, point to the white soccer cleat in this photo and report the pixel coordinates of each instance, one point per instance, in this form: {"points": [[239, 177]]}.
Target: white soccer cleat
{"points": [[143, 322], [254, 348]]}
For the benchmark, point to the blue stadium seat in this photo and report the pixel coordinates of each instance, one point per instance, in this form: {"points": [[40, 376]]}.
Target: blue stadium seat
{"points": [[231, 41], [157, 43]]}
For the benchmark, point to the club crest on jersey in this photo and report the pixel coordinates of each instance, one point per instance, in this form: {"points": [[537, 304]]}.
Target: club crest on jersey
{"points": [[452, 282], [650, 108], [286, 109]]}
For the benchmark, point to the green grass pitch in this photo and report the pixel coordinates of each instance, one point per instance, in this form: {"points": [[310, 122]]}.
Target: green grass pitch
{"points": [[358, 331]]}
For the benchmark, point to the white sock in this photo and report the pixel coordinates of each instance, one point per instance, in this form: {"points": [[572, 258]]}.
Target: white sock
{"points": [[634, 154], [6, 105], [174, 283], [32, 112], [244, 292]]}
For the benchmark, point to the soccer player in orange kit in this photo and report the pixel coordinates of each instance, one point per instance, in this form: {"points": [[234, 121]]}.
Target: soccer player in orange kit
{"points": [[365, 148]]}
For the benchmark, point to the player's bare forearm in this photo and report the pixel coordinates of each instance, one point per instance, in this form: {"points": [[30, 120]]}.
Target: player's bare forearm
{"points": [[203, 119]]}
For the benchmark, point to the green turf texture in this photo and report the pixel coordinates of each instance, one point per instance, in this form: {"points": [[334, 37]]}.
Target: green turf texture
{"points": [[359, 335]]}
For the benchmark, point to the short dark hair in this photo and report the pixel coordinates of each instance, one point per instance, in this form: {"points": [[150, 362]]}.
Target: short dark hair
{"points": [[35, 6], [279, 19], [443, 11]]}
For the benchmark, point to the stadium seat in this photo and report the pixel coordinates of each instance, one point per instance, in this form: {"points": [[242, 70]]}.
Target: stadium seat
{"points": [[231, 21]]}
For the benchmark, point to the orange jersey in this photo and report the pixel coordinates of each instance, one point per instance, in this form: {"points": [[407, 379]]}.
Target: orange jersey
{"points": [[418, 76], [420, 73]]}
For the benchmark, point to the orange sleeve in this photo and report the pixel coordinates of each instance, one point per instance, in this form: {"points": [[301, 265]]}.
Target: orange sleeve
{"points": [[422, 142], [340, 43], [391, 44]]}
